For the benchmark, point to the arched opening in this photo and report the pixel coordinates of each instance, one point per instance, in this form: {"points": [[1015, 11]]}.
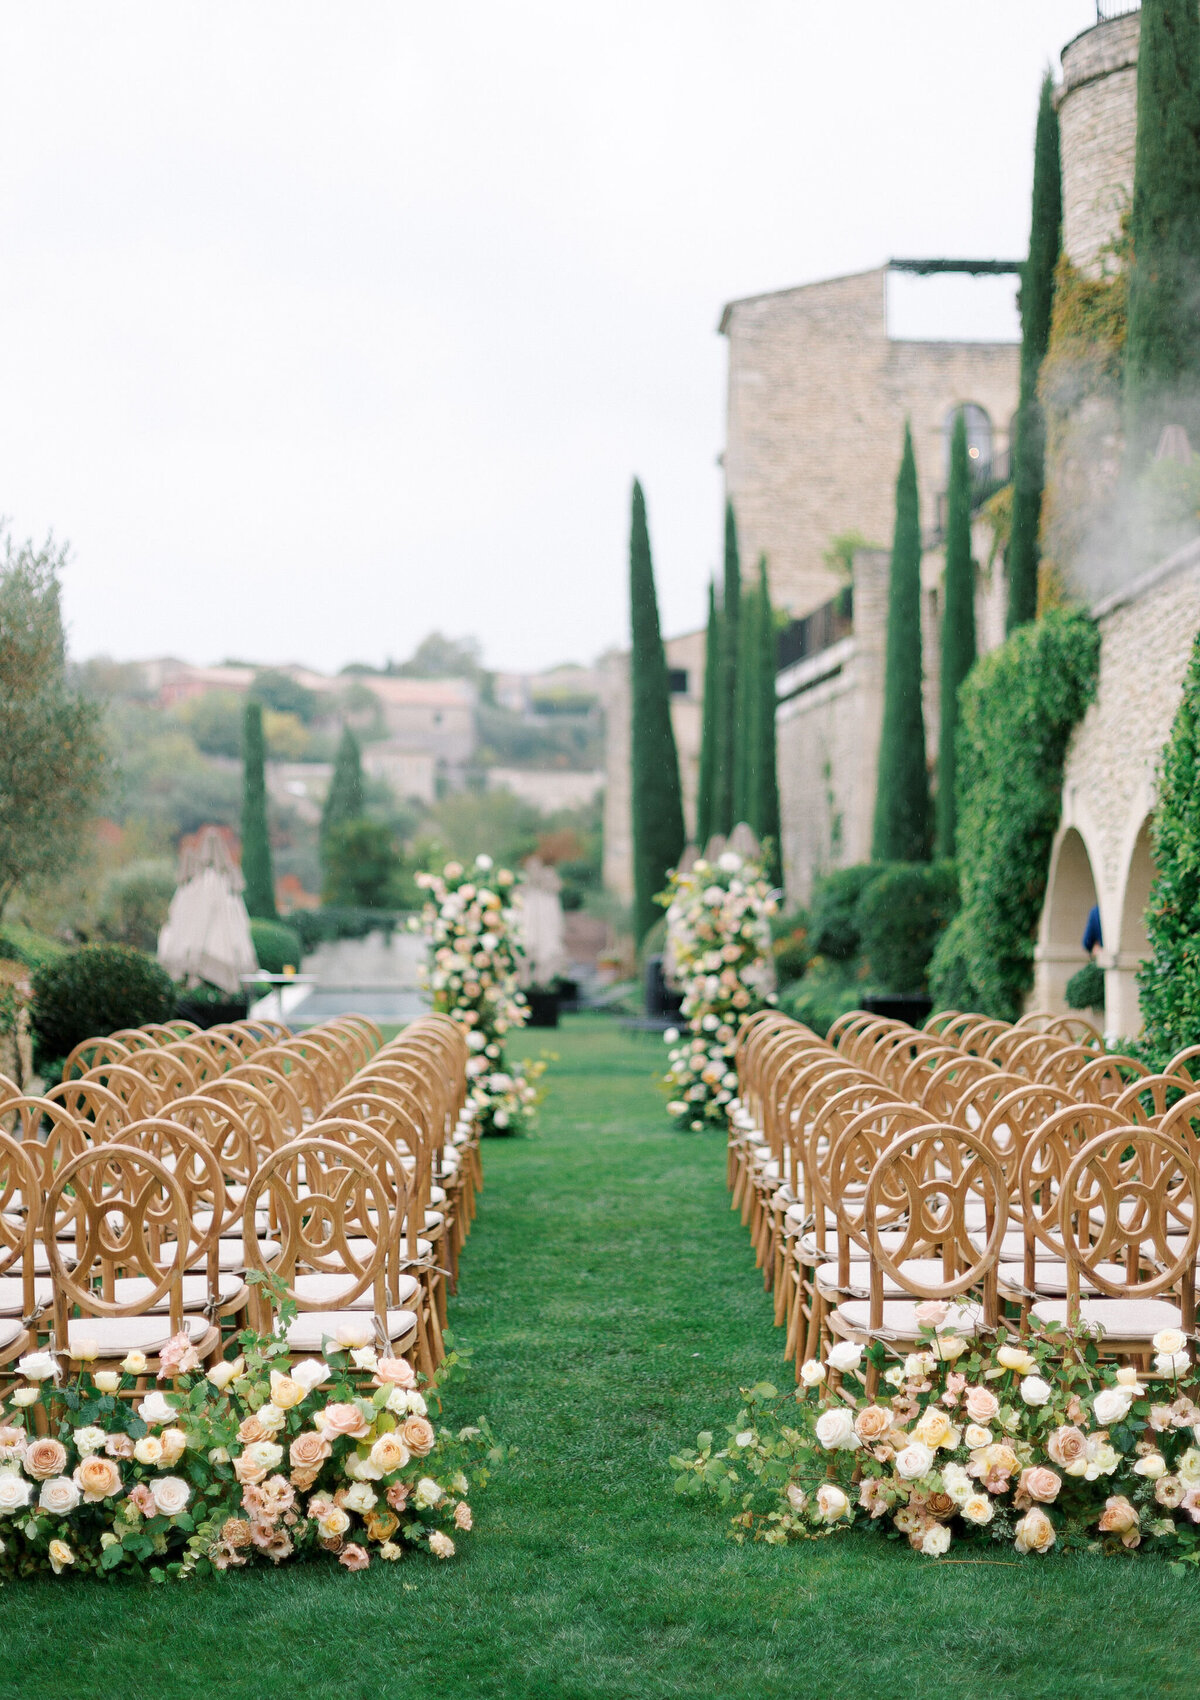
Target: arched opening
{"points": [[1070, 897], [1131, 946], [979, 439]]}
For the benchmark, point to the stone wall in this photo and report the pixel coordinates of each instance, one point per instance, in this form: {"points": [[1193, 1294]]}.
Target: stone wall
{"points": [[1102, 851], [818, 397], [1097, 111]]}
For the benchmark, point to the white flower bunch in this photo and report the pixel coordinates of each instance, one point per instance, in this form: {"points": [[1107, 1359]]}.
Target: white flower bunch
{"points": [[719, 941]]}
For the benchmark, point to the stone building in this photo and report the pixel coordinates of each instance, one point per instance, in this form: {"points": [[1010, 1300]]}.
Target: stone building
{"points": [[1097, 115], [1102, 851], [818, 395], [685, 663]]}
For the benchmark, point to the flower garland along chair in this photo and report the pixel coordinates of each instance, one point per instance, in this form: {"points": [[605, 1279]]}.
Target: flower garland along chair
{"points": [[132, 1221], [922, 1191], [335, 1220]]}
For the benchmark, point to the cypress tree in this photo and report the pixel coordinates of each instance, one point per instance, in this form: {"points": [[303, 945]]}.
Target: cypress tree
{"points": [[1037, 300], [958, 627], [710, 722], [723, 813], [902, 795], [256, 843], [767, 823], [1162, 348], [344, 799], [658, 836], [1169, 980], [747, 715]]}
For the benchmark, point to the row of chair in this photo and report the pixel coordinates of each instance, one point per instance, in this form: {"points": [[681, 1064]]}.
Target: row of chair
{"points": [[885, 1166], [343, 1169]]}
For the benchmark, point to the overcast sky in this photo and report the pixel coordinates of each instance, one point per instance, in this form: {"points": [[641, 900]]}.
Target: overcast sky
{"points": [[325, 325]]}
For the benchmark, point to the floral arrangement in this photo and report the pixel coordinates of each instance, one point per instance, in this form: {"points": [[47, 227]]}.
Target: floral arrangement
{"points": [[474, 964], [243, 1462], [1031, 1441], [719, 939]]}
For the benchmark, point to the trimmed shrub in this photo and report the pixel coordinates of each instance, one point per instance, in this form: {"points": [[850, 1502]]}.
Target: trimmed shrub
{"points": [[792, 945], [93, 991], [828, 990], [340, 921], [277, 947], [834, 933], [900, 915], [34, 950], [1085, 990]]}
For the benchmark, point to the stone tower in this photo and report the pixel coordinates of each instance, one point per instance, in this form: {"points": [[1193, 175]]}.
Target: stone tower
{"points": [[1097, 113]]}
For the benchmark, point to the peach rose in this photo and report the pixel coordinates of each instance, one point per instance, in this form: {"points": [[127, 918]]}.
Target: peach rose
{"points": [[308, 1450], [395, 1372], [337, 1420], [45, 1458], [872, 1422], [284, 1391], [981, 1404], [1118, 1516], [250, 1430], [1040, 1484], [1067, 1445], [97, 1478], [418, 1435], [389, 1453], [248, 1470], [174, 1445], [1035, 1532], [462, 1515], [354, 1557]]}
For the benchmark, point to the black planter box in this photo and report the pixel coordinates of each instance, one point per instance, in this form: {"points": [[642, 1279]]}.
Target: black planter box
{"points": [[207, 1015], [914, 1010], [543, 1008]]}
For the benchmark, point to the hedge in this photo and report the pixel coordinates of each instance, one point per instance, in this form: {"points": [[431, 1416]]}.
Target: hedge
{"points": [[1018, 708], [901, 914], [93, 991], [277, 947]]}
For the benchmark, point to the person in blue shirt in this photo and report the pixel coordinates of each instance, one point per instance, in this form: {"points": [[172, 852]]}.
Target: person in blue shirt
{"points": [[1093, 938]]}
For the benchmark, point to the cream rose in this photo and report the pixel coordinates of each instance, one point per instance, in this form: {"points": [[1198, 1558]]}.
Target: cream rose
{"points": [[59, 1496], [1169, 1340], [174, 1444], [934, 1427], [936, 1540], [22, 1396], [977, 1437], [286, 1391], [60, 1555], [354, 1331], [97, 1478], [333, 1522], [148, 1450], [845, 1356], [950, 1347], [418, 1435], [915, 1461], [812, 1372], [1111, 1405], [221, 1374], [135, 1363], [1015, 1357], [872, 1422], [1035, 1532], [107, 1380], [310, 1374], [45, 1458], [978, 1508], [1152, 1466], [832, 1503], [835, 1428], [171, 1495], [15, 1492], [389, 1453]]}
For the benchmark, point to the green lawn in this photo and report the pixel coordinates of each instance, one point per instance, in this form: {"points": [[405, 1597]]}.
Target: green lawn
{"points": [[613, 1307]]}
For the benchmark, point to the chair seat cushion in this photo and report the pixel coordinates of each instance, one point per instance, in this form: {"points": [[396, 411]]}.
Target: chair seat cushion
{"points": [[1050, 1276], [116, 1335], [311, 1327], [923, 1271], [330, 1290], [900, 1318], [1119, 1319], [9, 1331], [12, 1294], [136, 1290]]}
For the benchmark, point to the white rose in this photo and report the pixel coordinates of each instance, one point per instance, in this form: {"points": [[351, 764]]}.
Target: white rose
{"points": [[15, 1492], [957, 1483], [835, 1428], [935, 1541], [1171, 1363], [170, 1495], [264, 1454], [812, 1372], [88, 1440], [23, 1396], [360, 1497], [846, 1355], [154, 1408], [427, 1494], [59, 1496], [223, 1373], [831, 1503], [1127, 1376], [978, 1508], [915, 1461], [148, 1450], [1152, 1466], [310, 1373], [365, 1357], [917, 1365], [1169, 1340], [107, 1380], [1111, 1405], [38, 1366], [270, 1417], [1035, 1391]]}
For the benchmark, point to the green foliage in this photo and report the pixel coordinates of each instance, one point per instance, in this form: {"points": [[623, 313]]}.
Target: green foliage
{"points": [[748, 713], [276, 946], [1085, 990], [439, 657], [344, 799], [52, 753], [827, 991], [791, 945], [215, 722], [1018, 709], [902, 813], [93, 991], [1169, 979], [361, 865], [901, 914], [834, 931], [657, 801], [284, 695], [766, 801], [1162, 351], [20, 944], [710, 723], [958, 627], [314, 927], [723, 820], [1037, 298], [563, 737], [134, 903], [839, 556], [256, 843]]}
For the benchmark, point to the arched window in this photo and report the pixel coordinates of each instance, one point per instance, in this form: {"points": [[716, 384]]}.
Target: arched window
{"points": [[979, 439]]}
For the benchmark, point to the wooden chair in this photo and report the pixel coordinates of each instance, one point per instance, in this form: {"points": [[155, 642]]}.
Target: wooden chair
{"points": [[22, 1293]]}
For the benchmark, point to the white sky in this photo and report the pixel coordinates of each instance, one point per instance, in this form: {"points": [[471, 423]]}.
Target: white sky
{"points": [[322, 325]]}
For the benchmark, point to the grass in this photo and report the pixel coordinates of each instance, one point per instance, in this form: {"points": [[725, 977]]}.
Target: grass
{"points": [[613, 1308]]}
